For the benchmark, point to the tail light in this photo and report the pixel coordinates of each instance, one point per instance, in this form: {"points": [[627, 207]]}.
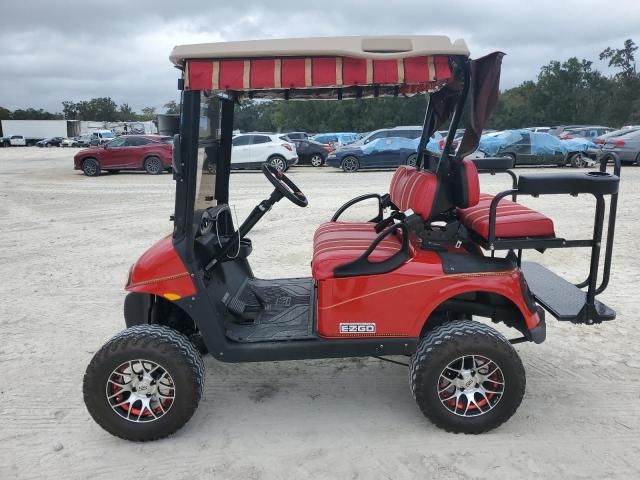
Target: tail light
{"points": [[564, 137], [327, 148], [619, 143], [287, 146], [441, 144], [598, 141]]}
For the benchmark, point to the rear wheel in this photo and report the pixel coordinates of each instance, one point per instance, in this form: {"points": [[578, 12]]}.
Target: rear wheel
{"points": [[145, 383], [412, 160], [278, 162], [91, 167], [153, 166], [316, 160], [350, 164], [466, 377]]}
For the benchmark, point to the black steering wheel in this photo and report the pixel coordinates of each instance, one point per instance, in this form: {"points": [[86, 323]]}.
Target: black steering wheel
{"points": [[284, 185]]}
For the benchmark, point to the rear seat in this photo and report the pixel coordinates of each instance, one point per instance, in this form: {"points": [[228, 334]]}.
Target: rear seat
{"points": [[513, 220]]}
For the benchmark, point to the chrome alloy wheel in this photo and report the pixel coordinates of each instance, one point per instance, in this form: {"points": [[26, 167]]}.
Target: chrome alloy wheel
{"points": [[471, 385], [140, 390]]}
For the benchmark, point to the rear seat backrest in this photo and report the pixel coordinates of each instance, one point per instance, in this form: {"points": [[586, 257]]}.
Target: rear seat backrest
{"points": [[466, 184], [413, 189]]}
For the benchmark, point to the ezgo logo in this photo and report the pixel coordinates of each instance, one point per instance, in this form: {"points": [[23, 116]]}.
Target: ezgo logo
{"points": [[358, 328]]}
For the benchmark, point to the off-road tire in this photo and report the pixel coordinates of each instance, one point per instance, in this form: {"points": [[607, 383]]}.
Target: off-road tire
{"points": [[91, 167], [155, 343], [153, 165], [443, 345]]}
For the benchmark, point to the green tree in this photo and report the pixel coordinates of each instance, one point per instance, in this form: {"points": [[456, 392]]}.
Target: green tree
{"points": [[69, 110], [171, 107], [126, 113], [148, 113]]}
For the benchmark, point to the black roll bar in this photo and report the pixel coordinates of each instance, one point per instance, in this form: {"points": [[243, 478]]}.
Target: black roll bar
{"points": [[457, 115]]}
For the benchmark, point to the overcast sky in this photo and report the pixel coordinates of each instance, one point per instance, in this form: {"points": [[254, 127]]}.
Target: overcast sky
{"points": [[52, 51]]}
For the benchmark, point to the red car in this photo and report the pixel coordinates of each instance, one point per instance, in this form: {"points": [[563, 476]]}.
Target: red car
{"points": [[151, 153]]}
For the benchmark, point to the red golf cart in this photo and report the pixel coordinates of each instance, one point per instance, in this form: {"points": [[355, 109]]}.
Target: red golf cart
{"points": [[413, 281]]}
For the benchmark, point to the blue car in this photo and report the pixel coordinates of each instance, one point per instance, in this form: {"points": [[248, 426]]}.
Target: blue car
{"points": [[385, 152]]}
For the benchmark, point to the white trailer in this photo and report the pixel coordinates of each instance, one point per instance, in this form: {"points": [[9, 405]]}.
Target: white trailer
{"points": [[34, 130]]}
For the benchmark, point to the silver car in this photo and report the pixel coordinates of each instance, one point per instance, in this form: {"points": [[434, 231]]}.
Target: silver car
{"points": [[626, 146]]}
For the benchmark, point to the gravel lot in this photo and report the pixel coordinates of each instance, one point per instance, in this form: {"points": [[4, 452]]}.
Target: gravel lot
{"points": [[68, 241]]}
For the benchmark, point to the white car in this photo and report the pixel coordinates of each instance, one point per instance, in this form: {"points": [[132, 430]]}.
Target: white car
{"points": [[69, 142], [17, 141], [251, 150]]}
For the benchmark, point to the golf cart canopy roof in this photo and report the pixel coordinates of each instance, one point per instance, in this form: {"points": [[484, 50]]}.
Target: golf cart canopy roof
{"points": [[322, 68]]}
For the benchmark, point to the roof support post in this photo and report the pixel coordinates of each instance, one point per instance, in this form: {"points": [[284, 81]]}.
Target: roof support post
{"points": [[223, 161], [457, 115], [424, 137]]}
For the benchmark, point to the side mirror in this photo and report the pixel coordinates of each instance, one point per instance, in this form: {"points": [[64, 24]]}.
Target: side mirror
{"points": [[176, 159]]}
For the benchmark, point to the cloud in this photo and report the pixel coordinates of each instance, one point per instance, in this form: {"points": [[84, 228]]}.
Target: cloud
{"points": [[75, 50]]}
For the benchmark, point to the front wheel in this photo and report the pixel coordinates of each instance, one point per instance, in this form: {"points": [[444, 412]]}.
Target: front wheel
{"points": [[144, 384], [466, 377], [91, 167], [153, 166], [350, 164], [577, 161]]}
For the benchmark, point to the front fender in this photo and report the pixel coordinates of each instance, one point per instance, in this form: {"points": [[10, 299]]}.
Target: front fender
{"points": [[160, 271]]}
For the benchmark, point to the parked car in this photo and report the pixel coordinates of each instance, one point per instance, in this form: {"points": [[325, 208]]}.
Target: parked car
{"points": [[69, 142], [50, 142], [17, 141], [602, 139], [383, 152], [539, 129], [100, 137], [251, 150], [84, 141], [336, 139], [525, 147], [311, 152], [627, 147], [297, 135], [133, 152], [411, 132], [589, 133]]}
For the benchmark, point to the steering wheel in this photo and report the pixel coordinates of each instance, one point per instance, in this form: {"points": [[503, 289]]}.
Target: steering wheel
{"points": [[284, 185]]}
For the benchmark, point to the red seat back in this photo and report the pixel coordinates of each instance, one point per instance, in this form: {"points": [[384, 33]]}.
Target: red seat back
{"points": [[413, 189], [466, 184]]}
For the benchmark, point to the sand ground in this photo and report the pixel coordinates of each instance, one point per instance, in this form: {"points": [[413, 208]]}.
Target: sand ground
{"points": [[67, 243]]}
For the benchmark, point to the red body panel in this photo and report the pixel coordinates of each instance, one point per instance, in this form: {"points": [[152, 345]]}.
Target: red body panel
{"points": [[400, 302], [160, 271]]}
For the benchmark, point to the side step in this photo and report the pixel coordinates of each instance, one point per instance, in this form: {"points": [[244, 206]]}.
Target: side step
{"points": [[561, 298]]}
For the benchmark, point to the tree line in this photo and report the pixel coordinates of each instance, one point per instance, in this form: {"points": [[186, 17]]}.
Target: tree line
{"points": [[102, 109], [564, 92]]}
